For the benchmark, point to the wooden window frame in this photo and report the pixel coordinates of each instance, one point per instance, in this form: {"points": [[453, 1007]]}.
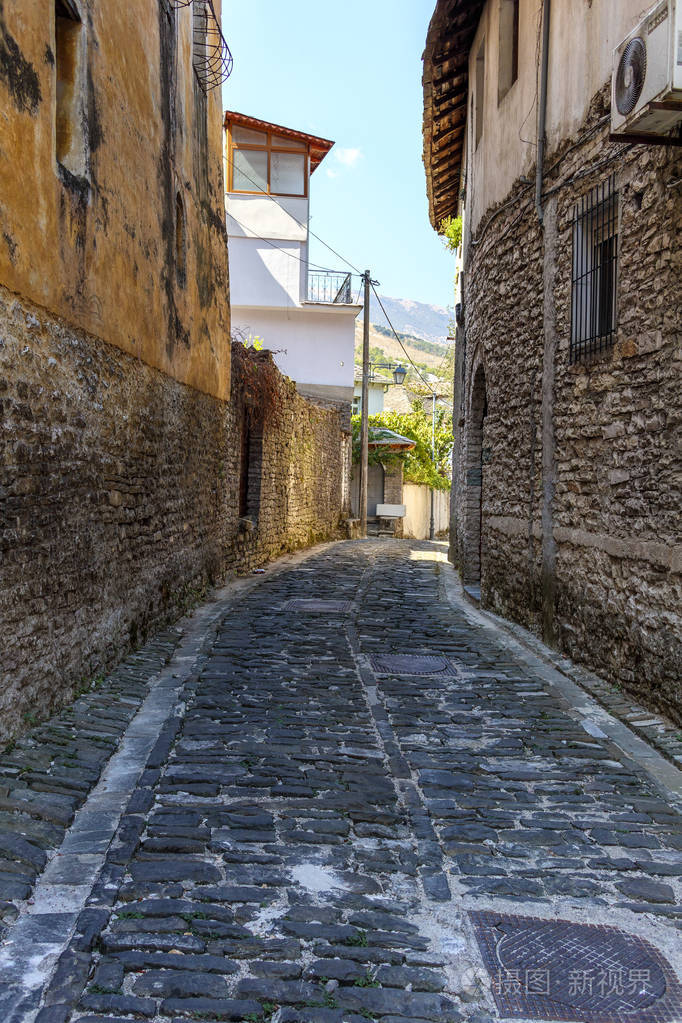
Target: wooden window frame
{"points": [[268, 148]]}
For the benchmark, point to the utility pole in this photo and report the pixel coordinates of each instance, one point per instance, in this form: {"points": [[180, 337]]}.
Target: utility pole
{"points": [[432, 527], [364, 420]]}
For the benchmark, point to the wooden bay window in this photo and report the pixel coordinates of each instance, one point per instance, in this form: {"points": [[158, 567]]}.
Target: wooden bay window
{"points": [[262, 161]]}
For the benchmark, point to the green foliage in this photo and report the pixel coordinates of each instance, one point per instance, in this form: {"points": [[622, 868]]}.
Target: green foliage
{"points": [[451, 230], [419, 466], [367, 981], [253, 341]]}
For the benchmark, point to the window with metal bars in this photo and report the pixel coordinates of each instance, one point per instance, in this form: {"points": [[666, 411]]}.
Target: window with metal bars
{"points": [[595, 271]]}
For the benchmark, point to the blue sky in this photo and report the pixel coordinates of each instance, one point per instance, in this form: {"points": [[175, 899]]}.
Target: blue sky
{"points": [[350, 71]]}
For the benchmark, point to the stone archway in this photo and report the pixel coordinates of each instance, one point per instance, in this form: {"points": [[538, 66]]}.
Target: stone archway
{"points": [[473, 525]]}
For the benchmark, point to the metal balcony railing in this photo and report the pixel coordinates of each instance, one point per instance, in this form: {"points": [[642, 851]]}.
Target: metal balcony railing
{"points": [[329, 287]]}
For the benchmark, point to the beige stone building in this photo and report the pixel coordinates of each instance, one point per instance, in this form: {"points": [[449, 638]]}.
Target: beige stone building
{"points": [[567, 463], [134, 471]]}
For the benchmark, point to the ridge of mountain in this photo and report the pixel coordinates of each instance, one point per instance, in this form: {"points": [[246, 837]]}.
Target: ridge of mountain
{"points": [[417, 319]]}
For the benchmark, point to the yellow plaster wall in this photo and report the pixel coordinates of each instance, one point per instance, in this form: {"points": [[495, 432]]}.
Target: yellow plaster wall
{"points": [[100, 251]]}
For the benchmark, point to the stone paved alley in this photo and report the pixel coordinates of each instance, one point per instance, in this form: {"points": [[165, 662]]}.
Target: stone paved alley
{"points": [[294, 830]]}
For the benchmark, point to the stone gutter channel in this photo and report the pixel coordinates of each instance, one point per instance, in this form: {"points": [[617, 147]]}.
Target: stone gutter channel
{"points": [[49, 933]]}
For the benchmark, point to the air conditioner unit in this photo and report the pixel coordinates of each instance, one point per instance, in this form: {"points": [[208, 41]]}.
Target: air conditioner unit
{"points": [[646, 88]]}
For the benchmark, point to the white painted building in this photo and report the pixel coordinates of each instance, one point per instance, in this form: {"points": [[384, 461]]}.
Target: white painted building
{"points": [[306, 318], [376, 395]]}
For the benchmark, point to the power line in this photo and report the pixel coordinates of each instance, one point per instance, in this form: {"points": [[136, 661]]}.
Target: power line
{"points": [[398, 339], [306, 227], [313, 266]]}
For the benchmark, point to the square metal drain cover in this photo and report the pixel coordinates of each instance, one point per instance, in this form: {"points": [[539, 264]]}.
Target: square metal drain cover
{"points": [[411, 664], [321, 606], [559, 970]]}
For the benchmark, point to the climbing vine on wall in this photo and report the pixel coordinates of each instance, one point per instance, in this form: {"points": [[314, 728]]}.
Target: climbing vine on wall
{"points": [[257, 381]]}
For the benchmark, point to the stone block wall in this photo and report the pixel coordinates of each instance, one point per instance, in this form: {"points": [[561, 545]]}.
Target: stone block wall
{"points": [[300, 462], [119, 501], [579, 465]]}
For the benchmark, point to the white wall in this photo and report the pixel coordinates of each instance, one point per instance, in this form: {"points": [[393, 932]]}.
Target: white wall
{"points": [[417, 501], [312, 345], [262, 275], [582, 39], [249, 215], [268, 250], [375, 402]]}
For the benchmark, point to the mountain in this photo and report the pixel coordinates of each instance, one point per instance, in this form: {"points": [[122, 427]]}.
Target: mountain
{"points": [[429, 322], [426, 354]]}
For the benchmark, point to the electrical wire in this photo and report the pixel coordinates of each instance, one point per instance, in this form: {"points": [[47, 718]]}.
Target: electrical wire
{"points": [[398, 338], [311, 266], [530, 142], [585, 172], [585, 137], [306, 227]]}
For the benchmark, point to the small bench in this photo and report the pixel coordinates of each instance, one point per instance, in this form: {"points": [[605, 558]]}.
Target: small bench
{"points": [[387, 515]]}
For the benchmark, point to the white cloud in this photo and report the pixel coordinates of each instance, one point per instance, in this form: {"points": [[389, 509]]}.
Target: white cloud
{"points": [[348, 157], [332, 173]]}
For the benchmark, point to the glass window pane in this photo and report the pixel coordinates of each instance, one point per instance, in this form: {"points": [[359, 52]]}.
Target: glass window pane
{"points": [[250, 170], [287, 174], [281, 140], [248, 136]]}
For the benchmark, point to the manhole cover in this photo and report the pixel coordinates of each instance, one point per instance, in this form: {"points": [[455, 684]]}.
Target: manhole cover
{"points": [[559, 970], [411, 664], [322, 606]]}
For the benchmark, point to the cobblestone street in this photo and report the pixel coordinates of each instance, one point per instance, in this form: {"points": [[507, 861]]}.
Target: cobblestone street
{"points": [[316, 811]]}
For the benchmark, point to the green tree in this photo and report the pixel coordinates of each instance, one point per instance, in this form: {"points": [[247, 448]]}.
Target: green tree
{"points": [[451, 230], [419, 466]]}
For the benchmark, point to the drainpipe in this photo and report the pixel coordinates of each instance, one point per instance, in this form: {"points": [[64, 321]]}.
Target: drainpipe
{"points": [[542, 111]]}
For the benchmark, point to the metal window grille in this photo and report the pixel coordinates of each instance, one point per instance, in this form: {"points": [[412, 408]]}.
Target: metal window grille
{"points": [[211, 55], [595, 271]]}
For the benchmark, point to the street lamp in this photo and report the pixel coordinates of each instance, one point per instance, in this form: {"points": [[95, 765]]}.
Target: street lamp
{"points": [[399, 371]]}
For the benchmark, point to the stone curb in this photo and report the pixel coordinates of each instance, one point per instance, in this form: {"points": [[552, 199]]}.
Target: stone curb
{"points": [[47, 774]]}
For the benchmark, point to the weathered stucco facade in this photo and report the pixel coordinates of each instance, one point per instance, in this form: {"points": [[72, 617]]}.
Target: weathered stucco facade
{"points": [[567, 470], [111, 200], [123, 456]]}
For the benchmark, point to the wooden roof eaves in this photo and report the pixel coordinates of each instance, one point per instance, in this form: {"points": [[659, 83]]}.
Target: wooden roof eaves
{"points": [[445, 84]]}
